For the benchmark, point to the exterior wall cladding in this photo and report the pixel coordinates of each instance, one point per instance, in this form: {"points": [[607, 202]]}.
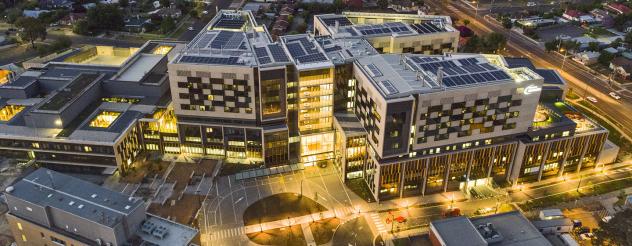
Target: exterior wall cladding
{"points": [[416, 144]]}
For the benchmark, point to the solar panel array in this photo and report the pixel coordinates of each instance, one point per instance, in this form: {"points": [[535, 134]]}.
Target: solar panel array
{"points": [[387, 28], [227, 40], [375, 72], [427, 27], [211, 60], [342, 21], [460, 72], [266, 55], [304, 51], [230, 22], [278, 53], [388, 87]]}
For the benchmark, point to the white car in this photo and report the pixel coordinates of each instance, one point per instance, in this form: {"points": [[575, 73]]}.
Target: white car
{"points": [[191, 28], [606, 219], [205, 12], [530, 4], [592, 99], [614, 95]]}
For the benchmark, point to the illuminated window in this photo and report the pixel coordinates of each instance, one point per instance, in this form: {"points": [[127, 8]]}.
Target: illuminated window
{"points": [[19, 226], [87, 148], [104, 119], [35, 145], [23, 238], [566, 133], [9, 111]]}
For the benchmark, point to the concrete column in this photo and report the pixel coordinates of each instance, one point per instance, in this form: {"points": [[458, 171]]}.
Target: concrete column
{"points": [[546, 153], [491, 163], [581, 158], [425, 178], [567, 150], [512, 163], [469, 169], [401, 179], [447, 174]]}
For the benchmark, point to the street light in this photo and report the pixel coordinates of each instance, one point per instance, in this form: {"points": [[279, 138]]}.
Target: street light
{"points": [[563, 60], [580, 182]]}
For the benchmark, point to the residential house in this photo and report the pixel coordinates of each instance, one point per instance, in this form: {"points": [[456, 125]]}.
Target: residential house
{"points": [[534, 22], [33, 13], [52, 4], [136, 24], [603, 17], [618, 8], [622, 66], [172, 12], [354, 3], [572, 15], [71, 18], [587, 57], [403, 6]]}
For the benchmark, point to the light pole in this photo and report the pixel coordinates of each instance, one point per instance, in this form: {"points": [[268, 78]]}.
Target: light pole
{"points": [[580, 182], [476, 9], [563, 60], [301, 188]]}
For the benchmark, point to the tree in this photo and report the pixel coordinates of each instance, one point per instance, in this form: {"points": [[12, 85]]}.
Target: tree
{"points": [[494, 42], [628, 39], [123, 3], [167, 25], [616, 43], [616, 231], [507, 24], [605, 58], [551, 45], [593, 46], [466, 22], [165, 3], [31, 29], [105, 17], [473, 45], [81, 27], [382, 4], [13, 15]]}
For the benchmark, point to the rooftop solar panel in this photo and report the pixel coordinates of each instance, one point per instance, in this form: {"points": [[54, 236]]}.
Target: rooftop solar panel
{"points": [[264, 60], [278, 53], [210, 60], [342, 21], [261, 52], [388, 87], [312, 58]]}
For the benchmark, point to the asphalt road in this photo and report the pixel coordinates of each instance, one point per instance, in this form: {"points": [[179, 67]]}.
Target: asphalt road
{"points": [[576, 76]]}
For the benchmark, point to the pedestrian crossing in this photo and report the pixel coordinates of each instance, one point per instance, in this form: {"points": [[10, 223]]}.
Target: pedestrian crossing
{"points": [[227, 233], [381, 228]]}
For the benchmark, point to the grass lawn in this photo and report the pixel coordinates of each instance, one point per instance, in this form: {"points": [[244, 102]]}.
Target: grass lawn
{"points": [[279, 236], [360, 188], [323, 230], [573, 195], [280, 206]]}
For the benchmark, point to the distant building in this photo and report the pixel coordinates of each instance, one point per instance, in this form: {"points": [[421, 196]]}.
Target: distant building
{"points": [[33, 13], [50, 208], [403, 6], [172, 12], [554, 226], [505, 229], [587, 57], [551, 214], [602, 16], [572, 15], [622, 66], [535, 22], [618, 8]]}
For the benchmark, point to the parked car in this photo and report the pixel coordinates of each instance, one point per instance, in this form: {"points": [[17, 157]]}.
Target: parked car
{"points": [[530, 4], [592, 99], [606, 219], [614, 95], [577, 223], [191, 28]]}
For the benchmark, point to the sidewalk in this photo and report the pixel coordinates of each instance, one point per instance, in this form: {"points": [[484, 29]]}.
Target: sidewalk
{"points": [[573, 176]]}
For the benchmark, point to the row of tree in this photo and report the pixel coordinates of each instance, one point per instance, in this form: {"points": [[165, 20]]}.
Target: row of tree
{"points": [[490, 43]]}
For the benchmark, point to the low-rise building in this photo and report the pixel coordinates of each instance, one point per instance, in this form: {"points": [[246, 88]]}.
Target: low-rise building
{"points": [[50, 208], [587, 57], [618, 8], [622, 66], [504, 229]]}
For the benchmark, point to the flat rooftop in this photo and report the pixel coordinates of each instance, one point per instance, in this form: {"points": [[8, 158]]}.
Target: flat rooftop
{"points": [[177, 234], [71, 91], [80, 198], [458, 231], [345, 50], [395, 25], [401, 75], [516, 229], [305, 51]]}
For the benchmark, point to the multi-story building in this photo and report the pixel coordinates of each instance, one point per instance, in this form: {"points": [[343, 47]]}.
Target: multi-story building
{"points": [[50, 208], [392, 33], [383, 97], [80, 110]]}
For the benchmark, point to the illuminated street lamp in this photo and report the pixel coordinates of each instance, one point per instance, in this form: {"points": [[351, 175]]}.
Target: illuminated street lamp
{"points": [[563, 60]]}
